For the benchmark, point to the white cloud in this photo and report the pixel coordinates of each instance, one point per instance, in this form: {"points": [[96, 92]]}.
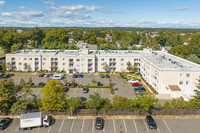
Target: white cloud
{"points": [[180, 9], [80, 8], [6, 14], [48, 2], [2, 3], [21, 7]]}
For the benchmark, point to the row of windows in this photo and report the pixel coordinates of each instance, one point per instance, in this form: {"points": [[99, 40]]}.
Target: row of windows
{"points": [[122, 59], [187, 82], [182, 74]]}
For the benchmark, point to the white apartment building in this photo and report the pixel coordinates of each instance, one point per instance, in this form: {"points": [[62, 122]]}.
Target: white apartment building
{"points": [[166, 73]]}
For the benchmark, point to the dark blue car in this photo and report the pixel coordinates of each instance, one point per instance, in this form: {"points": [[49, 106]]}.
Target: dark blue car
{"points": [[80, 76]]}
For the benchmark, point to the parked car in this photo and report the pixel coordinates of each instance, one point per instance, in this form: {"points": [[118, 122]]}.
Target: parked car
{"points": [[68, 84], [41, 84], [47, 75], [74, 84], [140, 88], [102, 76], [99, 123], [99, 84], [75, 75], [85, 90], [107, 76], [133, 81], [30, 84], [41, 75], [136, 84], [151, 122], [139, 91], [5, 123], [10, 75], [80, 76]]}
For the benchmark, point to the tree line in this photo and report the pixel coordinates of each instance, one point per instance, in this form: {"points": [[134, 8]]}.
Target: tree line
{"points": [[55, 98]]}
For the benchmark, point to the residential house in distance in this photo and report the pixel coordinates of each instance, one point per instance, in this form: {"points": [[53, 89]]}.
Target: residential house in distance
{"points": [[109, 38], [166, 73], [71, 40], [85, 45]]}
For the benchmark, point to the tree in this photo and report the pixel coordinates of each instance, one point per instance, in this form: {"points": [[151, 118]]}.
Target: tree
{"points": [[174, 40], [95, 102], [94, 81], [107, 105], [22, 82], [3, 66], [54, 96], [74, 103], [30, 81], [17, 46], [145, 103], [166, 105], [132, 68], [194, 46], [129, 66], [36, 35], [122, 103], [193, 58], [179, 50], [7, 96], [106, 67], [26, 66], [197, 96]]}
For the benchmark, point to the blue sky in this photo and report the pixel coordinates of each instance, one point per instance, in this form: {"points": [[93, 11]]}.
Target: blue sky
{"points": [[100, 13]]}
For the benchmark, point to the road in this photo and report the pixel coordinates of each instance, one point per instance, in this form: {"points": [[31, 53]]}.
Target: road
{"points": [[113, 126]]}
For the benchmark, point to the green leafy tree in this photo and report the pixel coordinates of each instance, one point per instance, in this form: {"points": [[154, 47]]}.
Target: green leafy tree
{"points": [[107, 105], [145, 103], [94, 81], [54, 96], [95, 102], [194, 46], [22, 82], [197, 96], [36, 35], [179, 50], [74, 103], [3, 66], [7, 96], [16, 47], [30, 81], [174, 40], [166, 105], [194, 58], [122, 103], [106, 67]]}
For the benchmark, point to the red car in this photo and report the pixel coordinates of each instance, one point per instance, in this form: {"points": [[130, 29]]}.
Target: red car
{"points": [[10, 75], [136, 84]]}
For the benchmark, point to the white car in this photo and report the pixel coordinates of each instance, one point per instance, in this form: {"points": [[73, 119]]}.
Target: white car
{"points": [[133, 81]]}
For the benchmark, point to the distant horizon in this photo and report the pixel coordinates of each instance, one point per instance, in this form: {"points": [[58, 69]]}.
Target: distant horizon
{"points": [[100, 13]]}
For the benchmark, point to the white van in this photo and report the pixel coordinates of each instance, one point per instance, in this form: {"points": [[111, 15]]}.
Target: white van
{"points": [[58, 76]]}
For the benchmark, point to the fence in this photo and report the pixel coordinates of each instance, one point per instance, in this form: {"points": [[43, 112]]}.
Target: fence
{"points": [[90, 112]]}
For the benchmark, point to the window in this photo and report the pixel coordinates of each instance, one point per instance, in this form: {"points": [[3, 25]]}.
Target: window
{"points": [[63, 58], [187, 82], [82, 59], [181, 83], [20, 63], [24, 58], [77, 65], [44, 58], [30, 58], [122, 64], [102, 59], [82, 65], [19, 58], [188, 75], [102, 64], [181, 75], [43, 64], [77, 59], [122, 59], [64, 64]]}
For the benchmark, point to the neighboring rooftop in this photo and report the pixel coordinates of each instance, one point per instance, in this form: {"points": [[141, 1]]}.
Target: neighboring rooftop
{"points": [[174, 87]]}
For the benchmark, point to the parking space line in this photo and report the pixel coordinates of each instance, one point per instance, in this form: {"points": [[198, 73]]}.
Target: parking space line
{"points": [[124, 125], [135, 126], [146, 126], [158, 129], [61, 125], [114, 125], [93, 126], [72, 126], [104, 128], [16, 129], [82, 126], [49, 129], [102, 91], [166, 125], [38, 129]]}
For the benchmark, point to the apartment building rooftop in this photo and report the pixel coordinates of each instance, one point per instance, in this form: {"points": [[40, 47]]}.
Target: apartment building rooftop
{"points": [[160, 59]]}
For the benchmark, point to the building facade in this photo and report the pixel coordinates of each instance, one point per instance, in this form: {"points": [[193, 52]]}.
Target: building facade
{"points": [[166, 73]]}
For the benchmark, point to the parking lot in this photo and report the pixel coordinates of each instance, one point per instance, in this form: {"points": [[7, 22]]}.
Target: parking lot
{"points": [[121, 86], [113, 126]]}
